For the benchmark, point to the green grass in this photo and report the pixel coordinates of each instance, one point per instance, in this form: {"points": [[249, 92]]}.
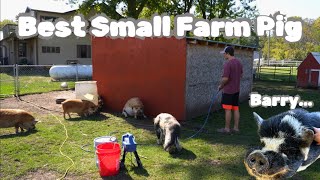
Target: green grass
{"points": [[29, 84], [36, 84], [207, 156], [278, 74], [6, 85]]}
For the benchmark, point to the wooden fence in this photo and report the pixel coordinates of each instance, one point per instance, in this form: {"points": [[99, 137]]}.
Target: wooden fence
{"points": [[284, 63]]}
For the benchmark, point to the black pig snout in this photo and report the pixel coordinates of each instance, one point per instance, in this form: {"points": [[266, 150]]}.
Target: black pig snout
{"points": [[258, 162]]}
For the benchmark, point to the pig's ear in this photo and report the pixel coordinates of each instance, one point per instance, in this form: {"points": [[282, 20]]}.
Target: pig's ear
{"points": [[156, 120], [258, 119], [307, 136]]}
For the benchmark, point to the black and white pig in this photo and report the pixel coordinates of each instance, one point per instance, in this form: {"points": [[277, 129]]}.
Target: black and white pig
{"points": [[288, 145]]}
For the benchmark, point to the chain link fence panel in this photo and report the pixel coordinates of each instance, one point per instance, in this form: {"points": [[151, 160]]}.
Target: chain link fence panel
{"points": [[276, 73], [30, 79], [36, 79], [7, 80]]}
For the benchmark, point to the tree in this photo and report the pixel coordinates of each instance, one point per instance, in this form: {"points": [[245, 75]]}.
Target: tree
{"points": [[207, 9], [310, 42], [115, 9], [5, 22], [173, 7], [228, 9]]}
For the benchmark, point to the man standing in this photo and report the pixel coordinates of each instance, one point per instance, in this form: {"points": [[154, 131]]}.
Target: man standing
{"points": [[230, 84]]}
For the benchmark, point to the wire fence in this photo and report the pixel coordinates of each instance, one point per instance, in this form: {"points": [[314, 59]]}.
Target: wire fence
{"points": [[276, 73], [18, 80], [7, 80]]}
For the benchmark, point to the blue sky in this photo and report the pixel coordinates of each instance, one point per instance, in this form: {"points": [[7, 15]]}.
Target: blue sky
{"points": [[304, 8]]}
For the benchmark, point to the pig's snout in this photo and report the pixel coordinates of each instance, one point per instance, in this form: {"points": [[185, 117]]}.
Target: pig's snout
{"points": [[139, 112], [258, 162]]}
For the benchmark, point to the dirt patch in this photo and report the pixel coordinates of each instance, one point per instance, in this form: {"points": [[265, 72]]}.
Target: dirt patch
{"points": [[41, 175], [37, 103], [212, 162]]}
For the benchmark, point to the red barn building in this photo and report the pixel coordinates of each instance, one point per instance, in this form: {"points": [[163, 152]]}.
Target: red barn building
{"points": [[309, 71]]}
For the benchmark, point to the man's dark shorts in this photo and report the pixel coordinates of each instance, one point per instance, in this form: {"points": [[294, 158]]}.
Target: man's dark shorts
{"points": [[230, 101]]}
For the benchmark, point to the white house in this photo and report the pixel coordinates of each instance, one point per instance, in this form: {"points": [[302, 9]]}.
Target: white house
{"points": [[45, 52]]}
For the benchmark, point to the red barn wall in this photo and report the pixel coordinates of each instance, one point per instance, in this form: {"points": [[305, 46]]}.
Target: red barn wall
{"points": [[152, 69], [303, 77]]}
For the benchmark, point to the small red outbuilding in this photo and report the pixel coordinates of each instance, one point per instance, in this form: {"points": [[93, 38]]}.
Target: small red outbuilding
{"points": [[309, 71], [177, 76]]}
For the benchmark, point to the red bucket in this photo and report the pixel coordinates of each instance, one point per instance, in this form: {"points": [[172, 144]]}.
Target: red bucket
{"points": [[109, 158]]}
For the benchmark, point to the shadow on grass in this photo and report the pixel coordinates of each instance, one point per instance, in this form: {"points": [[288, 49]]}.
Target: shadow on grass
{"points": [[21, 134], [184, 154], [95, 117], [146, 124], [209, 168], [140, 171], [124, 174], [120, 176]]}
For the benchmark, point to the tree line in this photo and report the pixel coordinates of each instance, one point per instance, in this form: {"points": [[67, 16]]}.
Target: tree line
{"points": [[282, 50]]}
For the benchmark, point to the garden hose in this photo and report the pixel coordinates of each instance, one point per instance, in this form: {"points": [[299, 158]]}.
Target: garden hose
{"points": [[208, 114], [66, 132]]}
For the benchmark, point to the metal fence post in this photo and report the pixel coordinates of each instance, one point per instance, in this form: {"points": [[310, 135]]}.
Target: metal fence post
{"points": [[260, 72], [17, 86], [77, 72], [290, 73], [14, 79]]}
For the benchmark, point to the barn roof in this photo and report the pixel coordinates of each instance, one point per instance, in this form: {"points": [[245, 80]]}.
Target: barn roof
{"points": [[193, 40], [316, 55]]}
